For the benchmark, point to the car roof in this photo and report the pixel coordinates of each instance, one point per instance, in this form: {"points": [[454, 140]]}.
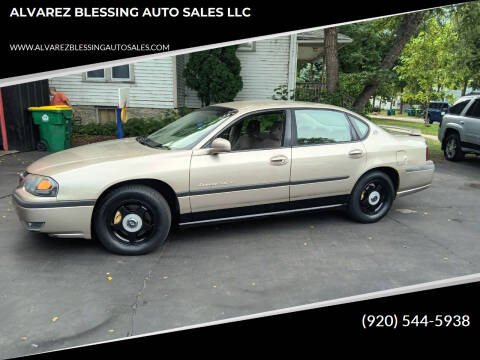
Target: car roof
{"points": [[252, 105], [469, 96]]}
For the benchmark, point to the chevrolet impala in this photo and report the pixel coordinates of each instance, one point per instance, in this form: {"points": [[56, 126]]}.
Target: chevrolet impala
{"points": [[226, 162]]}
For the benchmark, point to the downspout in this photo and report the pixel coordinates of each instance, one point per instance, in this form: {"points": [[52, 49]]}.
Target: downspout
{"points": [[2, 124], [292, 66]]}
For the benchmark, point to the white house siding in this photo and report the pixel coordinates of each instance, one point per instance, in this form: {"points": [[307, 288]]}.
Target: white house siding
{"points": [[180, 65], [262, 71], [152, 88]]}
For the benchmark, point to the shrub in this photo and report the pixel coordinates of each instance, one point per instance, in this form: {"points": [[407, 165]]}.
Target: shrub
{"points": [[133, 127], [214, 74], [95, 129]]}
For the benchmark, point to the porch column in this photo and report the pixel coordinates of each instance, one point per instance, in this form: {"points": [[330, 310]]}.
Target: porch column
{"points": [[292, 65]]}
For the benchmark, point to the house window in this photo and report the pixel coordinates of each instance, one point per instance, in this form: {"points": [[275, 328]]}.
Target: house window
{"points": [[121, 72], [96, 74], [249, 46]]}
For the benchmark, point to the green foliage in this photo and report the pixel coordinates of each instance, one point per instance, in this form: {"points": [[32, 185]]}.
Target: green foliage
{"points": [[133, 127], [425, 62], [109, 129], [371, 42], [466, 65], [281, 93], [214, 74]]}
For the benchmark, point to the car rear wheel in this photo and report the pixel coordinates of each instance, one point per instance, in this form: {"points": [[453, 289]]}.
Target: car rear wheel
{"points": [[132, 220], [453, 150], [371, 198]]}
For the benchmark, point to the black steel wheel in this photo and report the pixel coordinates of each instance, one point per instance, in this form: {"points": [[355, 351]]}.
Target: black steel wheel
{"points": [[372, 197], [132, 220]]}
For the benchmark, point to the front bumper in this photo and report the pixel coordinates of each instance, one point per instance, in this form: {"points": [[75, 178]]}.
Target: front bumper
{"points": [[56, 218]]}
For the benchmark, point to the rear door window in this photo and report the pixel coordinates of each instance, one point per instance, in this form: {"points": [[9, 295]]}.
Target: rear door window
{"points": [[474, 109], [322, 127]]}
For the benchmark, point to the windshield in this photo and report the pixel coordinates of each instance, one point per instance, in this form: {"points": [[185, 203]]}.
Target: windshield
{"points": [[438, 105], [185, 132]]}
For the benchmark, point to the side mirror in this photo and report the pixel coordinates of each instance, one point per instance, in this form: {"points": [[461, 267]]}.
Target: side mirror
{"points": [[220, 145]]}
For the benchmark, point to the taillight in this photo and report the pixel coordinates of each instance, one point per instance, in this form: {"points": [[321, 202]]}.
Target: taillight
{"points": [[427, 153]]}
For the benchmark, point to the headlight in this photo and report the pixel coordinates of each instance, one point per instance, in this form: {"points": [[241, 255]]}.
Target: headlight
{"points": [[39, 185], [443, 112]]}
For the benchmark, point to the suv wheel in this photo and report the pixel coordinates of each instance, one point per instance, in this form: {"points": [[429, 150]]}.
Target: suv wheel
{"points": [[132, 220], [453, 150], [371, 198]]}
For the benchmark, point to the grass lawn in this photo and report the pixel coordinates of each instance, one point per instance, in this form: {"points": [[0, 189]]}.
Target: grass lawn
{"points": [[436, 153], [425, 129]]}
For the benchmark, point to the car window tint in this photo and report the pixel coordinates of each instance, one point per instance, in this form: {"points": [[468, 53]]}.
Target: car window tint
{"points": [[322, 127], [260, 131], [361, 126], [458, 108], [474, 109]]}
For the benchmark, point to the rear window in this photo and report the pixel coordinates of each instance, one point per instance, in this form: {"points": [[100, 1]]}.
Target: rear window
{"points": [[458, 108], [362, 128]]}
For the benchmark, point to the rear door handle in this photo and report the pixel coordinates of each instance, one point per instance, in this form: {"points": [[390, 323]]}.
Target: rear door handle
{"points": [[279, 160], [355, 153], [462, 122]]}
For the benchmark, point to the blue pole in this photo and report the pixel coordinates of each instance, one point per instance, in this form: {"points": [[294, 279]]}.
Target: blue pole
{"points": [[119, 123]]}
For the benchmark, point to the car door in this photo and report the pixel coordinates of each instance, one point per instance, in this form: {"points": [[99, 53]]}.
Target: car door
{"points": [[327, 157], [252, 178], [471, 124]]}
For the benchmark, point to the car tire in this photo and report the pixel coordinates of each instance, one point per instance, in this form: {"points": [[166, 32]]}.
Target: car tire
{"points": [[371, 198], [453, 150], [430, 121], [132, 220]]}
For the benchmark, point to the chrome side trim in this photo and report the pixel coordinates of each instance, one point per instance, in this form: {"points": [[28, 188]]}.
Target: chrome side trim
{"points": [[258, 186], [66, 235], [241, 217], [411, 191], [428, 166], [51, 204]]}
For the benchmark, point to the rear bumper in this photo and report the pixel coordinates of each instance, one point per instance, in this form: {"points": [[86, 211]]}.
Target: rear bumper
{"points": [[60, 219], [416, 179]]}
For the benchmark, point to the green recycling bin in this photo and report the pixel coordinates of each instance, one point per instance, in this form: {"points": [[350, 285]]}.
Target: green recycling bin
{"points": [[55, 126]]}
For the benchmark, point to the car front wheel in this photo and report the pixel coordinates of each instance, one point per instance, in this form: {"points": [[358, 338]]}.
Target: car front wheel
{"points": [[132, 220], [371, 198], [453, 150]]}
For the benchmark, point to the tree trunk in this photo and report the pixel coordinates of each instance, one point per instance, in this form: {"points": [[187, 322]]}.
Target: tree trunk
{"points": [[322, 77], [464, 89], [406, 29], [331, 57]]}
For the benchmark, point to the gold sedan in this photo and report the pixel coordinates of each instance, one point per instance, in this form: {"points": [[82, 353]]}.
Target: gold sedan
{"points": [[225, 162]]}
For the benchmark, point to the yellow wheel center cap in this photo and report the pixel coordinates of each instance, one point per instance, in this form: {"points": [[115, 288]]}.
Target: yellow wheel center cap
{"points": [[118, 217]]}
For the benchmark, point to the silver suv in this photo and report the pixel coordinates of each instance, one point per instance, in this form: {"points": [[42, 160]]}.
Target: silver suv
{"points": [[459, 130]]}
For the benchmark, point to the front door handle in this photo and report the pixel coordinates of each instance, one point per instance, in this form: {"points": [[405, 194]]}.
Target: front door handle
{"points": [[279, 160], [355, 153]]}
